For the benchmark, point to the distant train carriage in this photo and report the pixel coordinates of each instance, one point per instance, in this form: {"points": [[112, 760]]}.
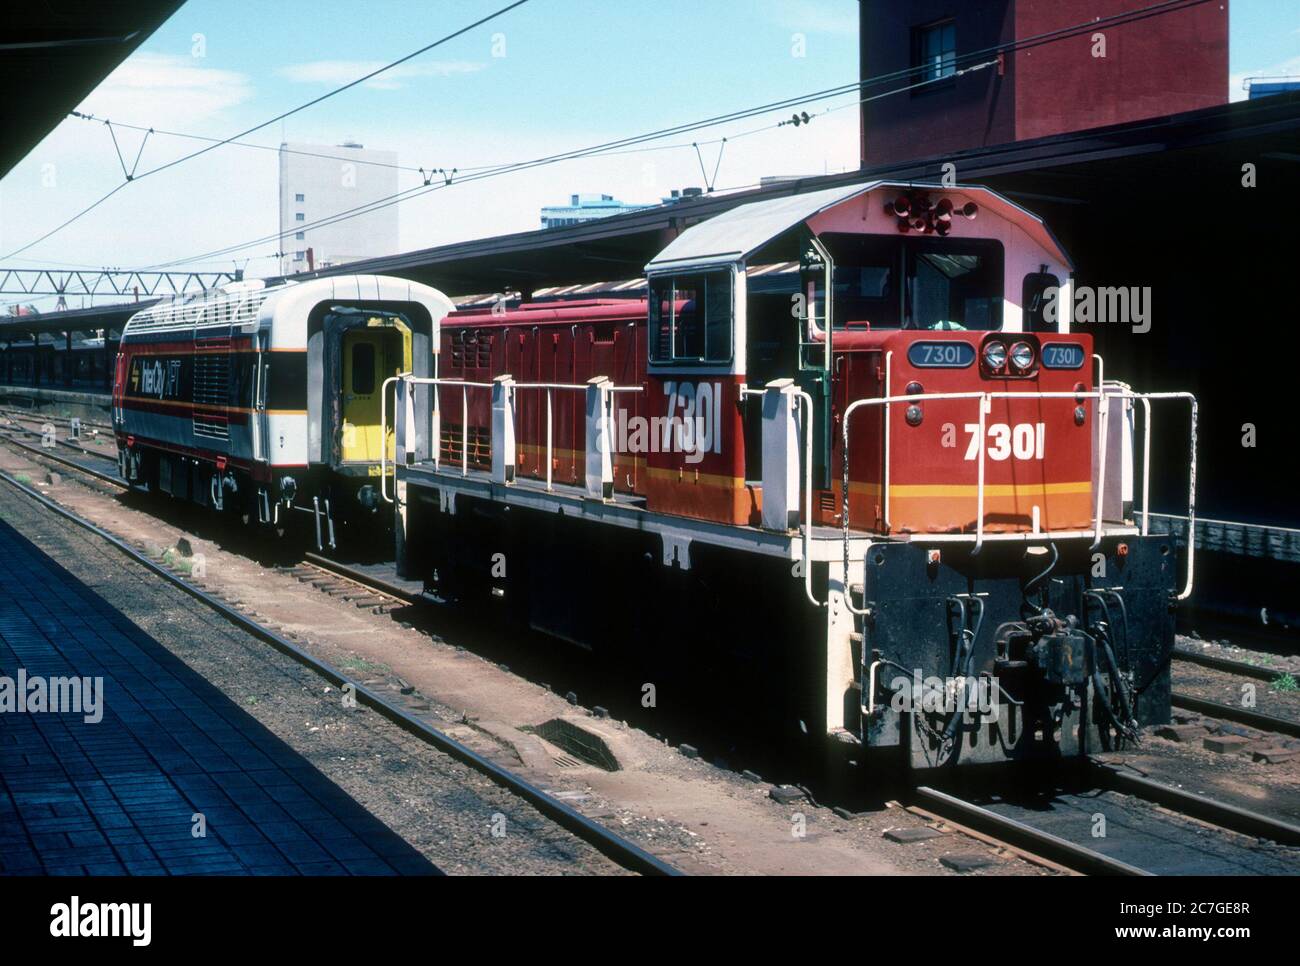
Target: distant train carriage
{"points": [[266, 400], [888, 500]]}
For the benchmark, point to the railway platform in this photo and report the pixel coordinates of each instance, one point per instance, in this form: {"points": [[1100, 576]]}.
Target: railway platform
{"points": [[121, 775]]}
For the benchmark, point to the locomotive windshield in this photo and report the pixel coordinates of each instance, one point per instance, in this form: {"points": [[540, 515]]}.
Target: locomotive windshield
{"points": [[916, 283]]}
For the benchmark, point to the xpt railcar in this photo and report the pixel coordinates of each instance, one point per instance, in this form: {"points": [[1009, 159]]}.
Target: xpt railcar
{"points": [[264, 400]]}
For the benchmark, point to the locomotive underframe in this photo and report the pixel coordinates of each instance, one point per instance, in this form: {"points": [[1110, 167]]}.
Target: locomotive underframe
{"points": [[718, 617]]}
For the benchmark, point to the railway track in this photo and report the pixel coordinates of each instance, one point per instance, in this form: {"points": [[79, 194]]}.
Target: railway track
{"points": [[373, 587], [16, 427], [46, 453], [1227, 712], [1152, 827], [45, 418], [615, 847]]}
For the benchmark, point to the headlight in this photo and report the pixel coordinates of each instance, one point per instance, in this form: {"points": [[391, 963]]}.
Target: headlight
{"points": [[1022, 356], [995, 355]]}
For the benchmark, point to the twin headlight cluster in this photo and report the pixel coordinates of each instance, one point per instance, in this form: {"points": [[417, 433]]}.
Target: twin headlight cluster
{"points": [[1021, 356]]}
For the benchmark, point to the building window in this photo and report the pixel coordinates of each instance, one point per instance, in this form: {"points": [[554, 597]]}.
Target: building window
{"points": [[297, 198], [935, 51], [300, 235], [299, 256], [299, 217]]}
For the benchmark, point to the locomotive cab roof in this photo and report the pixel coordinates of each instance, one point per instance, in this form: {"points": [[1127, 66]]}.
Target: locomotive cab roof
{"points": [[735, 235]]}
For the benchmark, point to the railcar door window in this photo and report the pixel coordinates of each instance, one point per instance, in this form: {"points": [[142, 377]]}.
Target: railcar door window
{"points": [[363, 368]]}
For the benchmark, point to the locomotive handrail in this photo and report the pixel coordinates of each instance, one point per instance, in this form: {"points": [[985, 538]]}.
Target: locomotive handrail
{"points": [[986, 397], [438, 382]]}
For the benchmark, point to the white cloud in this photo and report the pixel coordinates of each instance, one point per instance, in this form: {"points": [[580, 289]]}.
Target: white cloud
{"points": [[1285, 68], [815, 16], [336, 72], [164, 89]]}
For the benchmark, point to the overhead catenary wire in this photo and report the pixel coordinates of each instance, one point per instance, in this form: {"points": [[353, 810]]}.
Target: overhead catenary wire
{"points": [[279, 117], [1119, 19], [402, 196]]}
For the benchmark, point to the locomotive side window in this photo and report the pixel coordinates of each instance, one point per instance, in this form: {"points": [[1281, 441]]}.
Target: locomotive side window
{"points": [[1034, 298], [691, 317], [363, 368]]}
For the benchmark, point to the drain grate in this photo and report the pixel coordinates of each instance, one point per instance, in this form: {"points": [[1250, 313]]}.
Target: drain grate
{"points": [[587, 748]]}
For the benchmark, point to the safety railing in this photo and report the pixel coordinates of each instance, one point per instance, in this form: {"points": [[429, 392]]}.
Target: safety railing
{"points": [[599, 394], [985, 399]]}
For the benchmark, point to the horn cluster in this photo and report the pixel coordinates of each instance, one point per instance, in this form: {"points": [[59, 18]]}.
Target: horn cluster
{"points": [[914, 211]]}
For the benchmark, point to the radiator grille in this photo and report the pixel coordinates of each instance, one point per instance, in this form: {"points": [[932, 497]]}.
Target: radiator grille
{"points": [[211, 425], [471, 349], [480, 447], [211, 388]]}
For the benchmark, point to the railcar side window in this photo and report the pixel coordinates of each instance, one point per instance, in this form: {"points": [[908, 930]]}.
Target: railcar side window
{"points": [[691, 317]]}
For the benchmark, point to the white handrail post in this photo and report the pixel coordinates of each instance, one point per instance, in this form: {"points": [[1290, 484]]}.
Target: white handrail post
{"points": [[383, 435], [399, 428], [600, 464], [435, 427], [1191, 504], [884, 471], [780, 454], [986, 403], [412, 434], [1103, 447], [549, 438], [1146, 468], [464, 431], [503, 429]]}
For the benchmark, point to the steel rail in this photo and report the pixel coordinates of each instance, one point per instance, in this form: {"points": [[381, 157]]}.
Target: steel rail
{"points": [[1227, 712], [625, 853], [363, 578], [1226, 664], [1230, 817]]}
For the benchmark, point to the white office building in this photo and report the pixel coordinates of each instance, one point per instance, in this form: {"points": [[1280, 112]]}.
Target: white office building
{"points": [[319, 181]]}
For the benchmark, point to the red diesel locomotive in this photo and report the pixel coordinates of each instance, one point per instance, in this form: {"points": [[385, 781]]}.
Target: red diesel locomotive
{"points": [[835, 471]]}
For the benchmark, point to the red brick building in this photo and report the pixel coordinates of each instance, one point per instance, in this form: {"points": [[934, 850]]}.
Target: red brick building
{"points": [[1122, 66]]}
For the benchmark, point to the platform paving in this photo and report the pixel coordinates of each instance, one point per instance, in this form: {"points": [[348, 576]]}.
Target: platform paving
{"points": [[119, 796]]}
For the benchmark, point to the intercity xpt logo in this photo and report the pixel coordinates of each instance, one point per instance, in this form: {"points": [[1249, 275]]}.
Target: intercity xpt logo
{"points": [[159, 378]]}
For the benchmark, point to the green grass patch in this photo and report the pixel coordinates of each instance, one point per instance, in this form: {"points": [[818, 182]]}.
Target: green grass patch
{"points": [[1286, 682], [171, 558]]}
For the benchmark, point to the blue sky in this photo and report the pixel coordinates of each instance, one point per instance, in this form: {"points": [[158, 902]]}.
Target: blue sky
{"points": [[574, 72]]}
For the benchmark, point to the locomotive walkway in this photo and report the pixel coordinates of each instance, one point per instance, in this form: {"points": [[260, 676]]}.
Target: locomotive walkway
{"points": [[115, 786]]}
